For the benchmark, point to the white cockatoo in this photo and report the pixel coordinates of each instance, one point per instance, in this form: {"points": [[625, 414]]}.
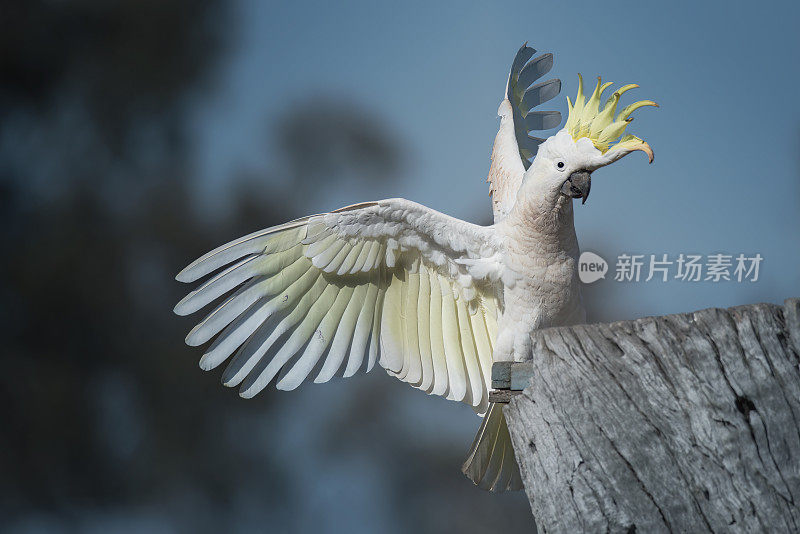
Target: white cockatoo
{"points": [[432, 299]]}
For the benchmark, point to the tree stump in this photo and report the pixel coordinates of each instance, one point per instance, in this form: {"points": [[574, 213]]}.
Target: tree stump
{"points": [[679, 423]]}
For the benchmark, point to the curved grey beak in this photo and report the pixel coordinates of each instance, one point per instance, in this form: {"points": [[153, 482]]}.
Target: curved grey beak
{"points": [[578, 185]]}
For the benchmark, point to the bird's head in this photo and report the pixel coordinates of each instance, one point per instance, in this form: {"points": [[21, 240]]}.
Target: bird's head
{"points": [[593, 137]]}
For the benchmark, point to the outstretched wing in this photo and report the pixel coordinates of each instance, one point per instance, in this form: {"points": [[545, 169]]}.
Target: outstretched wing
{"points": [[329, 294], [514, 148]]}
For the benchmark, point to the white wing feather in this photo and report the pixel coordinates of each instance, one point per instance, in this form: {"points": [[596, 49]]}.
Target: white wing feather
{"points": [[385, 281]]}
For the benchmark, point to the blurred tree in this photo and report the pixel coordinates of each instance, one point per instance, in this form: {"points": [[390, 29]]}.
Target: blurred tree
{"points": [[328, 141], [107, 422], [97, 214]]}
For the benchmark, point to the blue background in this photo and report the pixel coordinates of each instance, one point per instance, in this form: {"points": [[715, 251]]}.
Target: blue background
{"points": [[137, 138]]}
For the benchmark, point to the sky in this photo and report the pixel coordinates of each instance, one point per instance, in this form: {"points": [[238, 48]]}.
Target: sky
{"points": [[726, 177]]}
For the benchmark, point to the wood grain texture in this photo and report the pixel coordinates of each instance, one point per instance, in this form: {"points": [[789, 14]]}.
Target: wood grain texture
{"points": [[502, 395], [680, 423]]}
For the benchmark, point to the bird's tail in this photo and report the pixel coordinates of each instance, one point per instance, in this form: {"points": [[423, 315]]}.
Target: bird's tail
{"points": [[491, 463]]}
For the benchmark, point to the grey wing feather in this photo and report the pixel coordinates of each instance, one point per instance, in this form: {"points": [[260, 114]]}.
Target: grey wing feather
{"points": [[514, 148], [523, 55], [524, 97], [534, 70], [540, 93], [542, 120]]}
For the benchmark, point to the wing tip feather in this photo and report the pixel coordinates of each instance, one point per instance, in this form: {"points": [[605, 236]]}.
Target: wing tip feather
{"points": [[249, 391], [208, 362], [185, 275], [194, 338], [182, 308]]}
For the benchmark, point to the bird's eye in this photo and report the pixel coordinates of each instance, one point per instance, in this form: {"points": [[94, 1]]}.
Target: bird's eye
{"points": [[560, 165]]}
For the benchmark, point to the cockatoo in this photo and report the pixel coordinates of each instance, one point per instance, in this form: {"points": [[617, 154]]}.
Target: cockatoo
{"points": [[432, 299]]}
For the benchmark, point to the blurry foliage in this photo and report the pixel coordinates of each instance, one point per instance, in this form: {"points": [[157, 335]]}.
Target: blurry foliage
{"points": [[107, 422], [122, 58], [89, 352], [327, 141]]}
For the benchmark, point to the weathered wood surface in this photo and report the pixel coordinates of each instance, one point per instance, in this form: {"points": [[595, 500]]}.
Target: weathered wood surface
{"points": [[503, 395], [680, 423]]}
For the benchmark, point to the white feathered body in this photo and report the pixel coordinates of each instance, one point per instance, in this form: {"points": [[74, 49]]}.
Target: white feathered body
{"points": [[432, 299], [541, 249]]}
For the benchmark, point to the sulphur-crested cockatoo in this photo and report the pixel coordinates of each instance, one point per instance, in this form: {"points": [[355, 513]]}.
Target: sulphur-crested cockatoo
{"points": [[432, 299]]}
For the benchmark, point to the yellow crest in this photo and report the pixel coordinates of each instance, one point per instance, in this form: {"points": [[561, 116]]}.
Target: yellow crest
{"points": [[586, 119]]}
